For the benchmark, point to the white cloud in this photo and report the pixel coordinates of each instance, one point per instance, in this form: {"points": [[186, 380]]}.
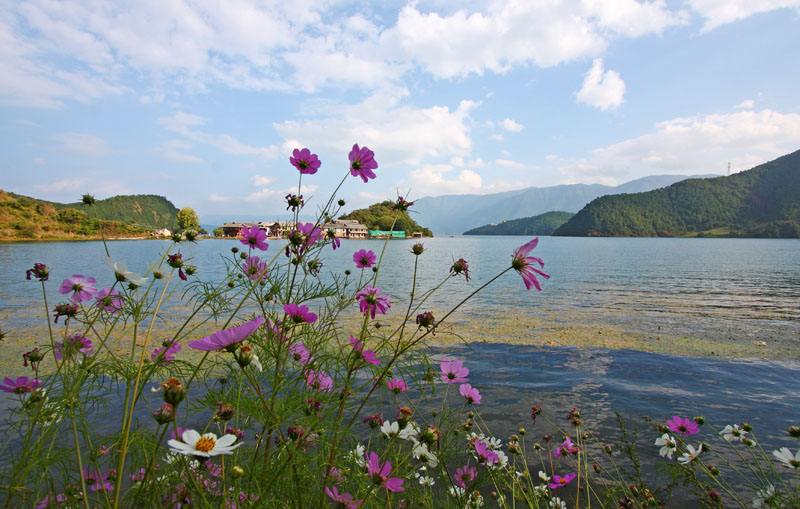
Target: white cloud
{"points": [[219, 198], [496, 137], [172, 150], [720, 12], [82, 144], [693, 145], [601, 90], [265, 192], [185, 124], [61, 185], [261, 180], [507, 163], [747, 104], [431, 180], [511, 125], [68, 188]]}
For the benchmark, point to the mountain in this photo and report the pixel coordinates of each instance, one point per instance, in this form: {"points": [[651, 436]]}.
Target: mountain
{"points": [[456, 213], [761, 202], [380, 216], [144, 210], [543, 224]]}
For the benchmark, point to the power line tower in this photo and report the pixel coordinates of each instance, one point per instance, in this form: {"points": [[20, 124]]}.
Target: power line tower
{"points": [[729, 168]]}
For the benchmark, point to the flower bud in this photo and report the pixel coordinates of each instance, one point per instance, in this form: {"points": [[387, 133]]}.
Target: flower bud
{"points": [[608, 450], [224, 412], [700, 420], [191, 235], [164, 414], [245, 355], [243, 255], [522, 431], [747, 426], [157, 274], [347, 272], [190, 270], [430, 435], [713, 470], [596, 468], [234, 250], [794, 431], [374, 420], [177, 237], [174, 391], [295, 433], [537, 446], [746, 441], [341, 202], [417, 249], [237, 472]]}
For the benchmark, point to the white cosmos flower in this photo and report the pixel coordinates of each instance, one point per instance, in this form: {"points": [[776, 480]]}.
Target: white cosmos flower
{"points": [[122, 269], [457, 491], [557, 503], [543, 476], [764, 495], [424, 480], [690, 454], [357, 455], [390, 429], [410, 432], [667, 444], [257, 363], [733, 433], [784, 455], [206, 445], [424, 455]]}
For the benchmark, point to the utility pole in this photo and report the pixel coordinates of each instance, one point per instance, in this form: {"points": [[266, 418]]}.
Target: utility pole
{"points": [[729, 168]]}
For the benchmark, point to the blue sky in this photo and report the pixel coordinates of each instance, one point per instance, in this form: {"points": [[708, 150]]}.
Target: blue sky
{"points": [[203, 101]]}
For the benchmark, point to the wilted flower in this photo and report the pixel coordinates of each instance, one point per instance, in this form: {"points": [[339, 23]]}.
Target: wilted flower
{"points": [[401, 204], [294, 202], [335, 242], [81, 288], [305, 162], [362, 162], [176, 262], [460, 266], [417, 249], [67, 310], [164, 414], [174, 391], [34, 357], [39, 271], [426, 320]]}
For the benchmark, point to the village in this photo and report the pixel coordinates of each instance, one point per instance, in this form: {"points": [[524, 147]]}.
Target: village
{"points": [[343, 228]]}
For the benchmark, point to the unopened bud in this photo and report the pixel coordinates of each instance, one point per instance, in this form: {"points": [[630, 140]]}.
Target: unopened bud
{"points": [[245, 355], [237, 472], [700, 420], [747, 426], [164, 414], [174, 391], [794, 431]]}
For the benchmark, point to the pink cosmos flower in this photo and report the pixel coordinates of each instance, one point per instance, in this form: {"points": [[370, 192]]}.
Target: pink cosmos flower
{"points": [[460, 266], [302, 238], [367, 355], [559, 481], [305, 162], [110, 300], [470, 393], [380, 473], [567, 447], [21, 385], [453, 371], [524, 265], [68, 310], [683, 426], [71, 345], [335, 242], [319, 381], [228, 338], [364, 259], [485, 455], [299, 314], [176, 262], [465, 475], [166, 353], [300, 353], [371, 301], [80, 286], [96, 481], [397, 385], [275, 331], [344, 499], [254, 268], [362, 162], [39, 271], [253, 237]]}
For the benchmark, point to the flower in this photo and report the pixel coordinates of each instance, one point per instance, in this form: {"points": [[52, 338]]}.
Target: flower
{"points": [[424, 480], [80, 286], [319, 381], [460, 266], [254, 268], [21, 385], [367, 356], [683, 426], [39, 271], [453, 371], [176, 262], [166, 353], [380, 473], [390, 429], [733, 433], [784, 455], [566, 447], [690, 455], [397, 385], [68, 310], [305, 162], [422, 453], [342, 498], [401, 204], [364, 259], [485, 455], [110, 300], [764, 496], [96, 481], [123, 274], [559, 481], [335, 242], [195, 444], [254, 237], [464, 475], [294, 201], [371, 301], [225, 339], [470, 393], [556, 503], [71, 345], [362, 162], [300, 353], [524, 265], [667, 444], [299, 314]]}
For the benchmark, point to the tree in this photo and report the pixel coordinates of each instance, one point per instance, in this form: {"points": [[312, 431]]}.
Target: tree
{"points": [[187, 219], [218, 232]]}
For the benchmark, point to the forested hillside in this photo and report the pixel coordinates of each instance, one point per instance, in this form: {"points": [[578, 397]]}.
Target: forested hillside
{"points": [[380, 217], [543, 224], [760, 202]]}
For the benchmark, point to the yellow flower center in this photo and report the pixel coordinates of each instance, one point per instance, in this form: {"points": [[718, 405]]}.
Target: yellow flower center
{"points": [[205, 444]]}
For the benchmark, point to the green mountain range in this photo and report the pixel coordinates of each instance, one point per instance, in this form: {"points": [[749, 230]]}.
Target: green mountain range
{"points": [[761, 202], [380, 217], [543, 224]]}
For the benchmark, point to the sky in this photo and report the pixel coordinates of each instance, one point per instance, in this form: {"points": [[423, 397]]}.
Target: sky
{"points": [[203, 101]]}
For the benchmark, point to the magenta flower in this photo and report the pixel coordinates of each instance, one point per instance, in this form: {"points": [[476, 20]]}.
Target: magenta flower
{"points": [[559, 481], [305, 162], [567, 447], [254, 268], [371, 301], [299, 314], [485, 455], [254, 237], [300, 353], [71, 345], [683, 426], [453, 371], [39, 271], [524, 265], [176, 262], [335, 242], [460, 266], [465, 475], [367, 355], [344, 499], [319, 381], [166, 353], [80, 286], [362, 162], [96, 481], [21, 385], [470, 393], [364, 259], [227, 339], [397, 385], [110, 300], [303, 238], [380, 473], [275, 331], [68, 310]]}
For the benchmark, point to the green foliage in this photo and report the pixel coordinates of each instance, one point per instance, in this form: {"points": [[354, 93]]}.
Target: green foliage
{"points": [[187, 219], [543, 224], [761, 202], [218, 232], [380, 216], [144, 210]]}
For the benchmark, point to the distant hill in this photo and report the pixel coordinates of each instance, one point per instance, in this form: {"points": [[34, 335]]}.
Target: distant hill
{"points": [[380, 217], [26, 218], [761, 202], [457, 213], [543, 224]]}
